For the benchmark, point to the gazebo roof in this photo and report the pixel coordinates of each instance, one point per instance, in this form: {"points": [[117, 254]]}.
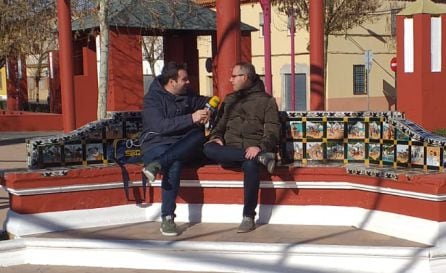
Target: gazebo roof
{"points": [[157, 15], [424, 6]]}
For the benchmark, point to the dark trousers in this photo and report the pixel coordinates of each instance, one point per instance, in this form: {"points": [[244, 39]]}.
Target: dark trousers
{"points": [[171, 158], [226, 155]]}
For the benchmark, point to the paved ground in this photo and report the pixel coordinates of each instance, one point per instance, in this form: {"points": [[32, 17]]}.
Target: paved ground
{"points": [[224, 232], [70, 269], [13, 157]]}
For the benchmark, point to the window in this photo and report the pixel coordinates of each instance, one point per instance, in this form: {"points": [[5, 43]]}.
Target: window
{"points": [[409, 42], [436, 44], [300, 92], [261, 23], [393, 13], [359, 79]]}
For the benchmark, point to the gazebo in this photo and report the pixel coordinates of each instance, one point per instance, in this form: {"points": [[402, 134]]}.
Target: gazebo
{"points": [[178, 22]]}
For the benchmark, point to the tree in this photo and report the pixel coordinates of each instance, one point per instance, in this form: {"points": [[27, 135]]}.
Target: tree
{"points": [[27, 28], [103, 73], [153, 51], [340, 15]]}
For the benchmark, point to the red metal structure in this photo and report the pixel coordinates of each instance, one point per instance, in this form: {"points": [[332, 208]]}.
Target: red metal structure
{"points": [[266, 7], [317, 93]]}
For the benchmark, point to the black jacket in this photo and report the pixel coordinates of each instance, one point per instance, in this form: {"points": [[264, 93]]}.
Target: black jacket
{"points": [[249, 117], [166, 117]]}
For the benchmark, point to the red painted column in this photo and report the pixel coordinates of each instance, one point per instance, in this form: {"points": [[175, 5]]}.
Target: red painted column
{"points": [[421, 93], [246, 49], [16, 84], [11, 90], [317, 93], [54, 82], [66, 64], [125, 77], [228, 43], [85, 86], [183, 49], [266, 7]]}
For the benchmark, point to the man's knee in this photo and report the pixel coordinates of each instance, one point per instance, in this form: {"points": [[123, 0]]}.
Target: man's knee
{"points": [[210, 149], [250, 165]]}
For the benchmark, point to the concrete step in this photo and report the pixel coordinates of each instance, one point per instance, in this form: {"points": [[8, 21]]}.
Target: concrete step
{"points": [[216, 247]]}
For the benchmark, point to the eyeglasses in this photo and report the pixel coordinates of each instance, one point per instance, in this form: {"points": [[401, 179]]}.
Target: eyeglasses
{"points": [[234, 76]]}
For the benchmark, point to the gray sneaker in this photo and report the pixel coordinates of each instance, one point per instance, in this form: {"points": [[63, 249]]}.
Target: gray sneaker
{"points": [[168, 226], [150, 170], [268, 160], [247, 225]]}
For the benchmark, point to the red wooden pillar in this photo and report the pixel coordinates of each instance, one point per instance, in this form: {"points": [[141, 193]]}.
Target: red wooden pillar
{"points": [[183, 49], [228, 43], [66, 64], [16, 85], [317, 93], [125, 80], [246, 52], [421, 69], [86, 89]]}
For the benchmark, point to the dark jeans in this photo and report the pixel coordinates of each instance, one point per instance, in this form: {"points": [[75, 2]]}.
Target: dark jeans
{"points": [[171, 158], [226, 155]]}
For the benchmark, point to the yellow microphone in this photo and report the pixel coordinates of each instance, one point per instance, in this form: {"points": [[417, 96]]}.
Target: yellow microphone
{"points": [[213, 103]]}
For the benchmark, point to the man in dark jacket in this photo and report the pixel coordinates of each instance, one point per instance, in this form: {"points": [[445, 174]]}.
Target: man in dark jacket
{"points": [[173, 122], [247, 133]]}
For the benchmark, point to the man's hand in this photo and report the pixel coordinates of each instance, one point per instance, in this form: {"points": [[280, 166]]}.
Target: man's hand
{"points": [[200, 116], [216, 140], [252, 152]]}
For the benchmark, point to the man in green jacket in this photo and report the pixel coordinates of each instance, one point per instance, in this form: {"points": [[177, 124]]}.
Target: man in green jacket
{"points": [[246, 133]]}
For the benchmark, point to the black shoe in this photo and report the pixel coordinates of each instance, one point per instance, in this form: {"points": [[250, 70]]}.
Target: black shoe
{"points": [[268, 160], [247, 225], [150, 170]]}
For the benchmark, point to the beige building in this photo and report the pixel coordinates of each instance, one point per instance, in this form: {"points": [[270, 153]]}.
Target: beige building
{"points": [[346, 86], [2, 84]]}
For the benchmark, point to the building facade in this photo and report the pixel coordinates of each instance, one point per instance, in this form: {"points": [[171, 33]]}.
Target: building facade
{"points": [[347, 88]]}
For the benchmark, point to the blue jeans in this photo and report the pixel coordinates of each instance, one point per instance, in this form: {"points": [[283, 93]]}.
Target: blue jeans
{"points": [[227, 155], [171, 158]]}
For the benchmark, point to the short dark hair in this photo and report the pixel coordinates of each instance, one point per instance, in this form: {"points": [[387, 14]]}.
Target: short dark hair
{"points": [[170, 72], [248, 69]]}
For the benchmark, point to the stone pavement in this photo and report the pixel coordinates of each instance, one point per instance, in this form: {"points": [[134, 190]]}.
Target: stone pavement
{"points": [[13, 157]]}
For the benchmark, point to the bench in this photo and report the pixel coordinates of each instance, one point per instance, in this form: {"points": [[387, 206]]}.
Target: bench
{"points": [[343, 168]]}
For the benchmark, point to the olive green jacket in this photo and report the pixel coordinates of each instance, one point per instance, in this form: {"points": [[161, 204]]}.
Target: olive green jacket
{"points": [[249, 117]]}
